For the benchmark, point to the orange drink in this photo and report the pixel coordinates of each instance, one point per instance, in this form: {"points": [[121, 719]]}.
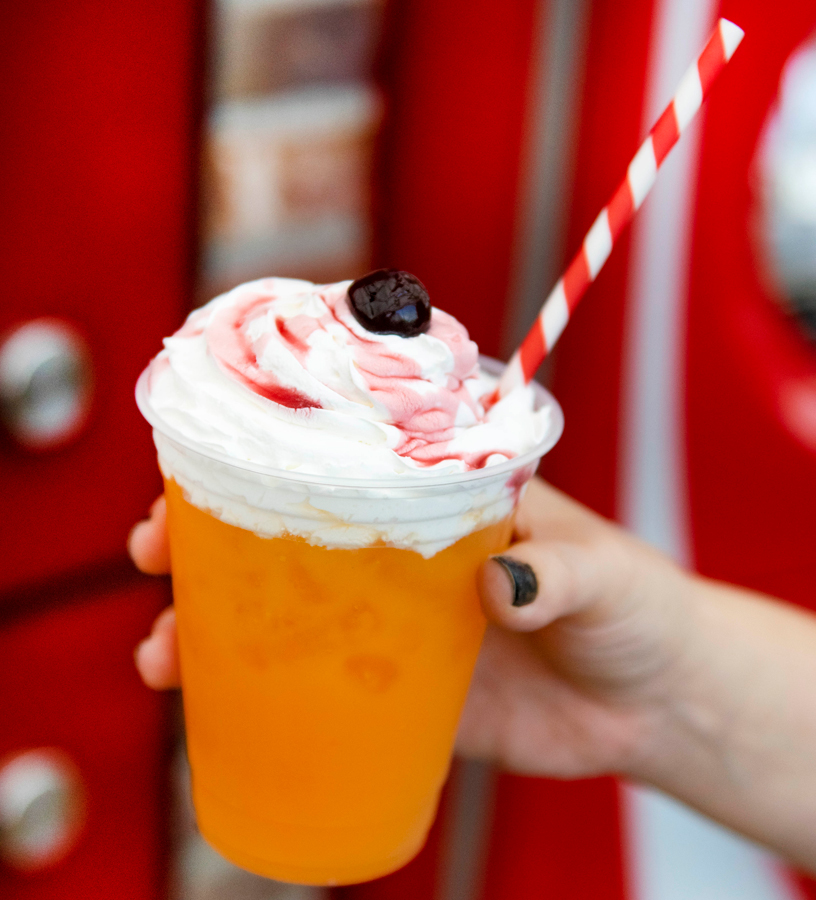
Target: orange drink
{"points": [[322, 689], [336, 473]]}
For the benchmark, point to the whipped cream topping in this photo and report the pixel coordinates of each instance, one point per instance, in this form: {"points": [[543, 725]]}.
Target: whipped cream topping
{"points": [[279, 373]]}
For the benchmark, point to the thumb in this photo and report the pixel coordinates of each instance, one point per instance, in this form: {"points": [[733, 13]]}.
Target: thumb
{"points": [[538, 581]]}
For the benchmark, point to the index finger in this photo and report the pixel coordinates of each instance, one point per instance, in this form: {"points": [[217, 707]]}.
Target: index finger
{"points": [[148, 544]]}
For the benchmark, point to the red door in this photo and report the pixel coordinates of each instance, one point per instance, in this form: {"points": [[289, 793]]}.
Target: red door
{"points": [[100, 105]]}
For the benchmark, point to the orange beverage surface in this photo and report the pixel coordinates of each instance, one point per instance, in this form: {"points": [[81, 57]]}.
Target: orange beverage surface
{"points": [[322, 691]]}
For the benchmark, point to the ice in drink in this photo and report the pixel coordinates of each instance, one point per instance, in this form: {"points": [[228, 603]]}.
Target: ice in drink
{"points": [[331, 494]]}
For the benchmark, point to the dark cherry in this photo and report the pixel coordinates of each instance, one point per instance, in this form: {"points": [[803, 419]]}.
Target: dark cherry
{"points": [[389, 301]]}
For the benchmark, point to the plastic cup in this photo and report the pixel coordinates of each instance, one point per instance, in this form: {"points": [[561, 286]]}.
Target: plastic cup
{"points": [[324, 669]]}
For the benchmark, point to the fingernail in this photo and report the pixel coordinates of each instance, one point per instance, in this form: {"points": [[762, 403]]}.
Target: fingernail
{"points": [[525, 583]]}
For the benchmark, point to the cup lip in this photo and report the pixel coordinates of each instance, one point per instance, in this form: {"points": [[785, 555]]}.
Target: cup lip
{"points": [[495, 367]]}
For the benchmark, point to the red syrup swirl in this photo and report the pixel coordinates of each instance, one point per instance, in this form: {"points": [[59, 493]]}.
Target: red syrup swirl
{"points": [[429, 454], [294, 341], [425, 414], [426, 418], [238, 355]]}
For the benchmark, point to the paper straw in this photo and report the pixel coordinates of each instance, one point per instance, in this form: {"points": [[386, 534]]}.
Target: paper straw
{"points": [[627, 199]]}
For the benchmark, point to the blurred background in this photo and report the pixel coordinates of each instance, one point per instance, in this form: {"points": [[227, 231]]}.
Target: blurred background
{"points": [[156, 152]]}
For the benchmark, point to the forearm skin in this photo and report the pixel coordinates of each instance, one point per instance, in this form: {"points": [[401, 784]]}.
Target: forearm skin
{"points": [[736, 737]]}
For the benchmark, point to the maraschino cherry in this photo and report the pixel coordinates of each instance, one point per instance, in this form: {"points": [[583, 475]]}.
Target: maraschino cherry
{"points": [[389, 301]]}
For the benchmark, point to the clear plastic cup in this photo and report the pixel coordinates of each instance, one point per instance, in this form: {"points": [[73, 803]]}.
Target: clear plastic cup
{"points": [[328, 630]]}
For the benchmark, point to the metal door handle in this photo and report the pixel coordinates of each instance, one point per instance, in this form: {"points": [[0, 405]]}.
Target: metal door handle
{"points": [[42, 809], [45, 383]]}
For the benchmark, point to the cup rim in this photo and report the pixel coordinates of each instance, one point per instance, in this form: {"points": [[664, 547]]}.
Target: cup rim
{"points": [[495, 367]]}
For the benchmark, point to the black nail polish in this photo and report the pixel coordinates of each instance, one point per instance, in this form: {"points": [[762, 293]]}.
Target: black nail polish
{"points": [[525, 583]]}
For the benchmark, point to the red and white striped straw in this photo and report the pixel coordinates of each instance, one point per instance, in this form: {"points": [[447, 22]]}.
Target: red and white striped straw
{"points": [[627, 199]]}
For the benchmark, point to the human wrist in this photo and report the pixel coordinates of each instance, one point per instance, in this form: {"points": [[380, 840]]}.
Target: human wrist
{"points": [[708, 741], [682, 722]]}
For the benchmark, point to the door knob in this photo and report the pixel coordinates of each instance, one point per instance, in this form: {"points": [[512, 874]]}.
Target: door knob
{"points": [[45, 383], [42, 809]]}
